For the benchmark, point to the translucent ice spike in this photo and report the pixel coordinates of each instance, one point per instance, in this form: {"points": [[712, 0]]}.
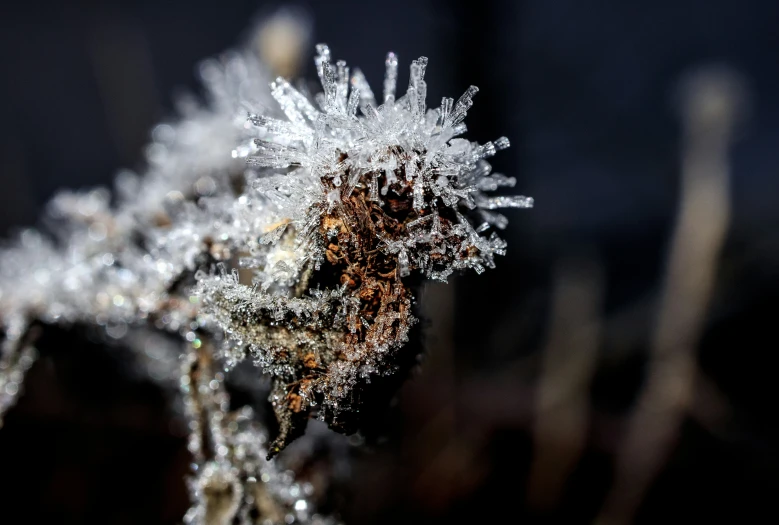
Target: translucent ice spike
{"points": [[509, 201], [330, 86], [403, 263], [446, 109], [501, 143], [419, 194], [322, 57], [342, 84], [373, 193], [354, 101], [495, 181], [494, 219], [272, 155], [293, 103], [279, 127], [462, 106], [360, 83], [417, 88], [390, 77]]}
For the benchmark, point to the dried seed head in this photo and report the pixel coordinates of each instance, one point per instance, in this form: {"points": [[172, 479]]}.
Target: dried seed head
{"points": [[374, 203]]}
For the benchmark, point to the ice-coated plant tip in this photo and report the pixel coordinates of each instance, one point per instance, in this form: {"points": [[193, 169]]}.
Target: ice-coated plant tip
{"points": [[362, 206], [294, 236]]}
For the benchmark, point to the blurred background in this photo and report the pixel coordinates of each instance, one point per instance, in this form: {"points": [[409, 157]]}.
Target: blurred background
{"points": [[614, 368]]}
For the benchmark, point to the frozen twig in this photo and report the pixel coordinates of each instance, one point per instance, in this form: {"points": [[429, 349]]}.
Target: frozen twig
{"points": [[333, 209]]}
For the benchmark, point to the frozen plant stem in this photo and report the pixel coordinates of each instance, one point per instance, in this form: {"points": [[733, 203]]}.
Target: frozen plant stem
{"points": [[346, 206]]}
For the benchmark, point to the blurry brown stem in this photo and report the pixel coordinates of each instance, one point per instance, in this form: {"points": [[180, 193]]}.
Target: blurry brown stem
{"points": [[710, 108], [561, 410]]}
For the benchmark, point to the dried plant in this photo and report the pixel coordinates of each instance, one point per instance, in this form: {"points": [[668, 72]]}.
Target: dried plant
{"points": [[294, 237]]}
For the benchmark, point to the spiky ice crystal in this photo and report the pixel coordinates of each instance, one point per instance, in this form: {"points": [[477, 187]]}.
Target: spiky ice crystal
{"points": [[306, 261]]}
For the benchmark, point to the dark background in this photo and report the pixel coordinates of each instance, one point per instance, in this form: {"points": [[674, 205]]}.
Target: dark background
{"points": [[585, 91]]}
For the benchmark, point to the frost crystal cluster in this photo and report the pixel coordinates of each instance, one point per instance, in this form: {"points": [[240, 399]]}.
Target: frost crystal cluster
{"points": [[273, 226]]}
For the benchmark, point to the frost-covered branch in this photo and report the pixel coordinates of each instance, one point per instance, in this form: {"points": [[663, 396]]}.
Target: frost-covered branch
{"points": [[271, 226]]}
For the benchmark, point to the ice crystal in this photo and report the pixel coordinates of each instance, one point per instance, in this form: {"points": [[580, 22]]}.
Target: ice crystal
{"points": [[268, 225]]}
